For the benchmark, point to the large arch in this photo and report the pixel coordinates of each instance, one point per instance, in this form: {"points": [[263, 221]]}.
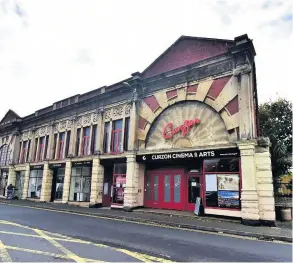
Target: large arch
{"points": [[220, 95]]}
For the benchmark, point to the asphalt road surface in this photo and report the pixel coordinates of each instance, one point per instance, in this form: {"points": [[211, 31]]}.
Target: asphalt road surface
{"points": [[28, 234]]}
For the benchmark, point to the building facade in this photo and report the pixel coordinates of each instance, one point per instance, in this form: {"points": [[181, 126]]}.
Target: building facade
{"points": [[185, 130]]}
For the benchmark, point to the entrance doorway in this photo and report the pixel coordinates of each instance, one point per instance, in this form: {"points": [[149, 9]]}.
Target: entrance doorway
{"points": [[165, 189], [57, 184], [194, 190]]}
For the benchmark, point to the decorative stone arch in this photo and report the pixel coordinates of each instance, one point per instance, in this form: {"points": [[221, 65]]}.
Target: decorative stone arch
{"points": [[219, 96]]}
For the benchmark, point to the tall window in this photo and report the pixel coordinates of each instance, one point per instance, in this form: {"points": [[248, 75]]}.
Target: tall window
{"points": [[106, 136], [5, 155], [116, 146], [41, 149], [85, 141], [77, 142], [23, 154], [61, 144], [67, 143], [126, 133], [93, 139]]}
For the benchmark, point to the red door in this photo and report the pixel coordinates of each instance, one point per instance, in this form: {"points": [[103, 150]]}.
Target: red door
{"points": [[165, 189]]}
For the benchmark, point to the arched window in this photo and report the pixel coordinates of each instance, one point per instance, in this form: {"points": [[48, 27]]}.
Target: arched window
{"points": [[5, 155]]}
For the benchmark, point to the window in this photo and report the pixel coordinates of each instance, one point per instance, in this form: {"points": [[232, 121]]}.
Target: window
{"points": [[23, 154], [35, 184], [93, 139], [106, 137], [67, 143], [77, 142], [54, 145], [61, 144], [85, 141], [41, 149], [80, 184], [117, 137], [222, 183], [5, 155], [126, 133]]}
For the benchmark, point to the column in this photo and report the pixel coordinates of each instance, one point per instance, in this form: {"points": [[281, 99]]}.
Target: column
{"points": [[133, 127], [100, 132], [80, 142], [26, 181], [249, 196], [57, 147], [46, 184], [11, 177], [109, 146], [132, 183], [32, 148], [90, 141], [96, 199], [265, 186], [37, 150], [64, 146], [66, 185], [16, 147], [72, 142], [50, 144]]}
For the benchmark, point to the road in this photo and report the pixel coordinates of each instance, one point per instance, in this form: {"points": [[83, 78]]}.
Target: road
{"points": [[158, 242]]}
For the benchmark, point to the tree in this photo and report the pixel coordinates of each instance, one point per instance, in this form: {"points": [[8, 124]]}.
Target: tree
{"points": [[275, 119]]}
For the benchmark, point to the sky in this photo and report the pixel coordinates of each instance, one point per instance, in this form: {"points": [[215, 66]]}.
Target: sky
{"points": [[53, 49]]}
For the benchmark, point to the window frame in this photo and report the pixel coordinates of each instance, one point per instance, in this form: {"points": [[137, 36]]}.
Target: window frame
{"points": [[115, 148]]}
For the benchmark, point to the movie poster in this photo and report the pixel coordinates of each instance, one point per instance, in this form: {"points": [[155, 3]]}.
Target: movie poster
{"points": [[228, 182], [228, 199]]}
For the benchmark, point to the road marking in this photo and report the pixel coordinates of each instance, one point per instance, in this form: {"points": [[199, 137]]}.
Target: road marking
{"points": [[152, 224], [48, 253], [4, 256], [143, 257], [67, 252]]}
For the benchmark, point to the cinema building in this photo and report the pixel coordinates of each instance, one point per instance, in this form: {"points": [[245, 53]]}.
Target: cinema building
{"points": [[184, 130]]}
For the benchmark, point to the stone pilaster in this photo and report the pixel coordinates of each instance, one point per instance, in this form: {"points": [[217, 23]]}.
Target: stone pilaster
{"points": [[133, 127], [32, 147], [132, 183], [57, 147], [96, 198], [50, 144], [66, 185], [11, 177], [249, 195], [16, 148], [26, 181], [265, 187], [46, 184], [72, 142], [100, 131]]}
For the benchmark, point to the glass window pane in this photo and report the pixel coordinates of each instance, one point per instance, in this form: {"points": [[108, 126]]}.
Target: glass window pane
{"points": [[117, 125], [167, 188], [156, 188], [148, 188], [177, 187]]}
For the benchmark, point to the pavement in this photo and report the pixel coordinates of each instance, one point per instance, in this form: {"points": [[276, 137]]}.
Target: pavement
{"points": [[70, 236], [283, 231]]}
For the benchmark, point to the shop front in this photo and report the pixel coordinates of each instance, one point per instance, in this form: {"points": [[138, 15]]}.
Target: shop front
{"points": [[58, 181], [80, 181], [35, 181], [174, 180]]}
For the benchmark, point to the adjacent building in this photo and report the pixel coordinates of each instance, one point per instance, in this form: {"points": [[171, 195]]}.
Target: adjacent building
{"points": [[185, 130]]}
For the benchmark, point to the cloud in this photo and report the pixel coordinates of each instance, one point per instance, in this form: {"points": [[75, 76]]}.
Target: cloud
{"points": [[55, 49]]}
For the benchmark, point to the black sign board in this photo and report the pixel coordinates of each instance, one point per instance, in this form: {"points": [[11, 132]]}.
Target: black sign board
{"points": [[83, 163], [37, 167], [56, 165], [190, 155]]}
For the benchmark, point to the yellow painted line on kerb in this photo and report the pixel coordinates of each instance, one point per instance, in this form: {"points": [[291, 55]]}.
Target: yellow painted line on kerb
{"points": [[48, 253], [148, 224], [67, 252], [4, 256]]}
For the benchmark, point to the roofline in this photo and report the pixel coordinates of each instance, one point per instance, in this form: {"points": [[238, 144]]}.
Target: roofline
{"points": [[186, 37]]}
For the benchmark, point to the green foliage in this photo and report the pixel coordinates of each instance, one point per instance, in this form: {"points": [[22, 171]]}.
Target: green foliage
{"points": [[275, 119]]}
